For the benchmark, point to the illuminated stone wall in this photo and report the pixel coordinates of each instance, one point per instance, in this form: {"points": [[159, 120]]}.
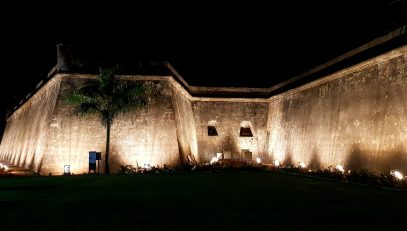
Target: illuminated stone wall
{"points": [[27, 129], [356, 117], [186, 131], [228, 116], [70, 137], [146, 136]]}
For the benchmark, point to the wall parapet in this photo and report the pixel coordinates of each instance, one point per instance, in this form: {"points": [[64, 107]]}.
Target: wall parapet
{"points": [[355, 68], [204, 93]]}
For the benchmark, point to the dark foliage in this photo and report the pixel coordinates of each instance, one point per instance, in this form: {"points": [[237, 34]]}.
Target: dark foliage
{"points": [[107, 98], [364, 176]]}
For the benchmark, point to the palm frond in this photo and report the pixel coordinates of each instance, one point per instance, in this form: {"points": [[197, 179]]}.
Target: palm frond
{"points": [[107, 80], [106, 117], [108, 96], [130, 96], [77, 98], [86, 109]]}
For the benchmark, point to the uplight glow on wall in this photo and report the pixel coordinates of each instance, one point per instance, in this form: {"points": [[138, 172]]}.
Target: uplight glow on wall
{"points": [[321, 123]]}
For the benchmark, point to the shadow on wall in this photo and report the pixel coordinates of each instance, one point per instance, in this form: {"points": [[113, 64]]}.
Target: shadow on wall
{"points": [[229, 144], [288, 159], [384, 161], [181, 150], [29, 164], [39, 166], [115, 160], [13, 158], [16, 158], [315, 161], [7, 157]]}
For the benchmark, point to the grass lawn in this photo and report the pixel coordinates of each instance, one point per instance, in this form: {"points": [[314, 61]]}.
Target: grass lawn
{"points": [[201, 201]]}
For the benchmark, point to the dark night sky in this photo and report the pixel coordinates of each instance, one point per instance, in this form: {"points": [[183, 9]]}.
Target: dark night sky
{"points": [[209, 44]]}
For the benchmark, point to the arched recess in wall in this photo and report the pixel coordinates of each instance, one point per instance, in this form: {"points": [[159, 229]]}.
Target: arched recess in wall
{"points": [[246, 129], [212, 128]]}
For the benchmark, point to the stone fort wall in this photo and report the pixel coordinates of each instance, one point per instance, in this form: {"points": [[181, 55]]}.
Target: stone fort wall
{"points": [[356, 117]]}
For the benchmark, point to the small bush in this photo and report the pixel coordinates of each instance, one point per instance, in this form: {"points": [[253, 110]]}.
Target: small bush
{"points": [[184, 168], [363, 176], [387, 180], [325, 173], [127, 169]]}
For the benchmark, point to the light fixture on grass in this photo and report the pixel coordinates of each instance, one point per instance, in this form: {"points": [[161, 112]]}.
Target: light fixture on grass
{"points": [[396, 174], [340, 168], [67, 169]]}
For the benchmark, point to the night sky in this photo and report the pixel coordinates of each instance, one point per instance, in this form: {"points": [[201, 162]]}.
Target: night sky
{"points": [[210, 44]]}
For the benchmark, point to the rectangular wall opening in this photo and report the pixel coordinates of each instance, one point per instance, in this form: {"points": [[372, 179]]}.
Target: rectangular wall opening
{"points": [[245, 132]]}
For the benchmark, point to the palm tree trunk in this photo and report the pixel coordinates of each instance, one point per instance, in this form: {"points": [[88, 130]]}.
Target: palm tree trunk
{"points": [[107, 167]]}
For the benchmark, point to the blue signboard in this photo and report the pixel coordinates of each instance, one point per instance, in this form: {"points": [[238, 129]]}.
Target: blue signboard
{"points": [[92, 161], [92, 157]]}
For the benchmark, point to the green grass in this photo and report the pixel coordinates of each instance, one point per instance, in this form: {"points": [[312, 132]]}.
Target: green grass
{"points": [[240, 200]]}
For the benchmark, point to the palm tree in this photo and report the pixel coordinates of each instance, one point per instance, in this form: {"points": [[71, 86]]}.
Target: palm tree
{"points": [[108, 97]]}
